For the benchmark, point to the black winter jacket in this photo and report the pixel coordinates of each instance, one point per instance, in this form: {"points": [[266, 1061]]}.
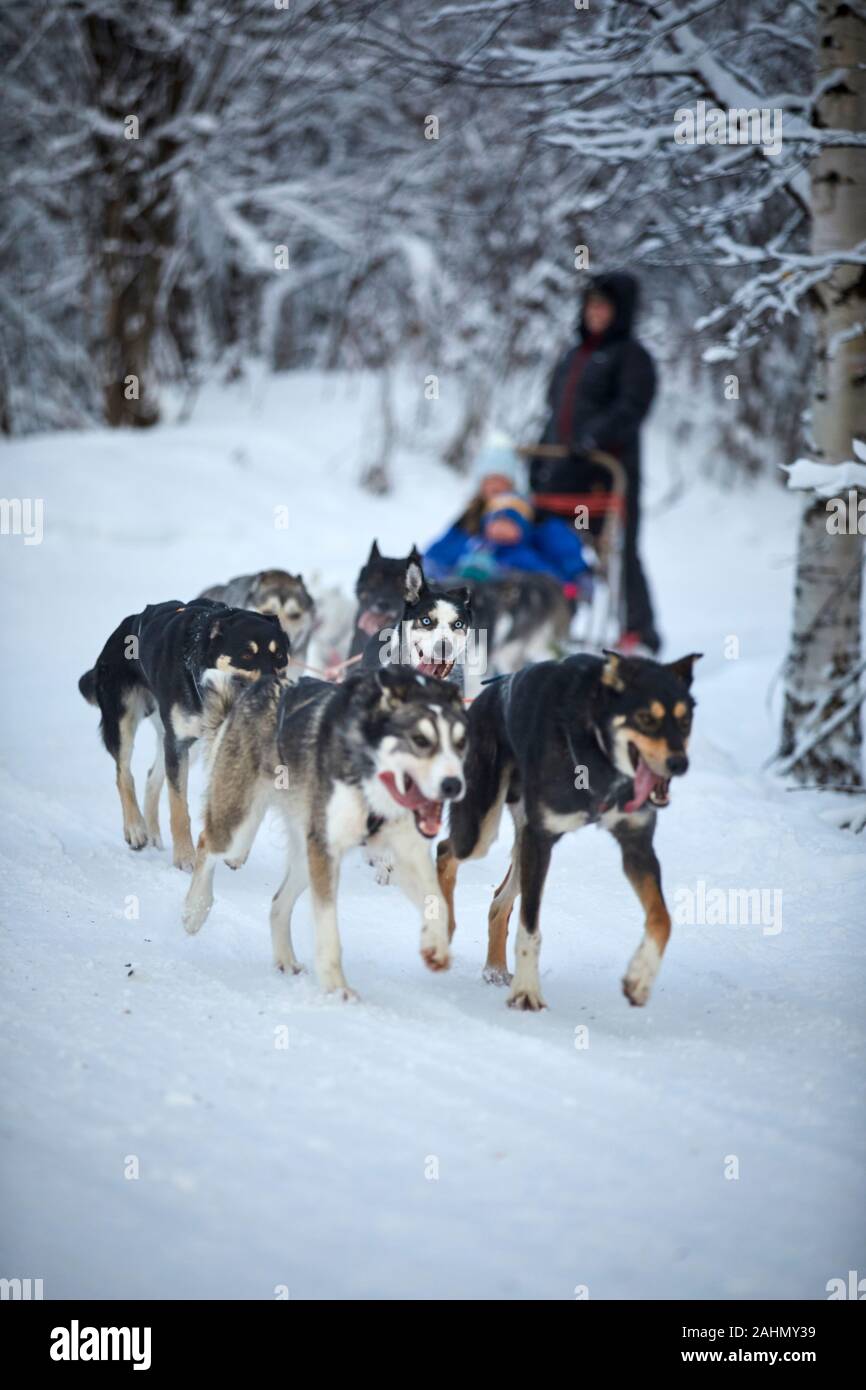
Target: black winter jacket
{"points": [[613, 395]]}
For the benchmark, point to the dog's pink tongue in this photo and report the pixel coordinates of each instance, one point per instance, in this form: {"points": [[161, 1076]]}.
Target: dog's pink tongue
{"points": [[428, 813], [441, 669], [372, 623], [644, 781]]}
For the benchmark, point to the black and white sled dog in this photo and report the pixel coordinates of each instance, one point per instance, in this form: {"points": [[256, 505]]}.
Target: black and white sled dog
{"points": [[370, 761], [379, 591], [588, 740], [431, 633], [154, 664], [517, 618], [273, 591]]}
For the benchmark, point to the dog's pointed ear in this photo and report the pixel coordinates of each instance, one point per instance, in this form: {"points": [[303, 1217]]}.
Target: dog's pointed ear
{"points": [[612, 671], [374, 552], [414, 556], [462, 595], [215, 630], [415, 583], [682, 669], [393, 685]]}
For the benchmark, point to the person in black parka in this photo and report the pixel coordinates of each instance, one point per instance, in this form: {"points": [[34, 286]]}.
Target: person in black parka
{"points": [[599, 394]]}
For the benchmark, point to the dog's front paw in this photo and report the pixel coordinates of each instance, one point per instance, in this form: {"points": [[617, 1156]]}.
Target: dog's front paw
{"points": [[383, 873], [345, 994], [195, 914], [435, 956], [529, 1000], [496, 975], [135, 834], [642, 970], [154, 838], [636, 991], [184, 859], [236, 863], [333, 984], [289, 967]]}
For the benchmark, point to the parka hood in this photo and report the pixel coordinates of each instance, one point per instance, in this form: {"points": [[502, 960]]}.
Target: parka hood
{"points": [[622, 291]]}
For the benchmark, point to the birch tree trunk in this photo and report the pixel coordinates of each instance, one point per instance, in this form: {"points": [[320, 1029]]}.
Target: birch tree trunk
{"points": [[826, 637]]}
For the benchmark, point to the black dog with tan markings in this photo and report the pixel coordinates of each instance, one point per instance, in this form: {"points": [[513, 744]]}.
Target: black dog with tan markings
{"points": [[273, 591], [567, 744], [154, 665]]}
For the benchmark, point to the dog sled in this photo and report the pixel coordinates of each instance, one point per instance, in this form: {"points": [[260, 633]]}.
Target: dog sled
{"points": [[599, 516], [526, 615]]}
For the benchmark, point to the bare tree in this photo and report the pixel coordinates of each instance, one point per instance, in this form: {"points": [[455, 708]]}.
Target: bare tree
{"points": [[159, 157]]}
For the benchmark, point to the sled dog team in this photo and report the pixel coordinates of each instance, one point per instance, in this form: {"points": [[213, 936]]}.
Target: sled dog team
{"points": [[373, 759]]}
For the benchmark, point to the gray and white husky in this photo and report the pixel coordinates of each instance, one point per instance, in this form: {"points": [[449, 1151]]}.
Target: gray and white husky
{"points": [[369, 762], [432, 635], [273, 591]]}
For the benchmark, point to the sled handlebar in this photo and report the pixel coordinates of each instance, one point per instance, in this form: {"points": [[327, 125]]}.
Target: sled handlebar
{"points": [[562, 451]]}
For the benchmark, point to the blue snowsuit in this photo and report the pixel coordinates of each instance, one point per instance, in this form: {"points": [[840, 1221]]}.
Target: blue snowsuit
{"points": [[546, 547]]}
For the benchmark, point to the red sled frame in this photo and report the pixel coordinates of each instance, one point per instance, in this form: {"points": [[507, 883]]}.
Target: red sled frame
{"points": [[599, 623]]}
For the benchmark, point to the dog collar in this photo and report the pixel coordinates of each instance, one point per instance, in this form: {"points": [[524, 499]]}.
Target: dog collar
{"points": [[622, 781]]}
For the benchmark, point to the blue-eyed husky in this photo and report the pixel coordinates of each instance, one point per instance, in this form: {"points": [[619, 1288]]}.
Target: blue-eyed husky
{"points": [[432, 632]]}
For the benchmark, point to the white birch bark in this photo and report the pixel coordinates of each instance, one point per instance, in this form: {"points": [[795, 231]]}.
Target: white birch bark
{"points": [[826, 636]]}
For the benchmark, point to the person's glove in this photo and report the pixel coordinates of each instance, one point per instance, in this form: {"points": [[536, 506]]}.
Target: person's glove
{"points": [[585, 443]]}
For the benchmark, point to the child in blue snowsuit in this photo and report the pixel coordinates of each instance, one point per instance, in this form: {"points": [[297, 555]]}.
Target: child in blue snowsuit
{"points": [[498, 532]]}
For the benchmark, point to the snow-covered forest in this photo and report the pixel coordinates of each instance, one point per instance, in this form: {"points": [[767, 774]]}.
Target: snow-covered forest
{"points": [[430, 172], [270, 276]]}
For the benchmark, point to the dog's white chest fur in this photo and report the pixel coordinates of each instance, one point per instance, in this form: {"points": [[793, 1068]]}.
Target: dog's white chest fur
{"points": [[346, 818], [185, 725], [635, 819], [560, 823]]}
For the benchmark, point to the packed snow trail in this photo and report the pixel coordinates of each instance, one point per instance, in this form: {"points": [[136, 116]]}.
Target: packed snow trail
{"points": [[427, 1142]]}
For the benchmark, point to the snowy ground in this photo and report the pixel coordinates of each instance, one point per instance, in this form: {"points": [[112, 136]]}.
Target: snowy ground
{"points": [[310, 1166]]}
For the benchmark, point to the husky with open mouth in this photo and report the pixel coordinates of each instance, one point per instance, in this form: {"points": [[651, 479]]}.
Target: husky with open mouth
{"points": [[369, 762], [431, 633], [588, 740]]}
